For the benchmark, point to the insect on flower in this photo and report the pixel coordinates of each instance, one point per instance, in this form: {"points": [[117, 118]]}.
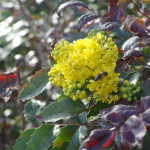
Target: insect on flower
{"points": [[100, 76]]}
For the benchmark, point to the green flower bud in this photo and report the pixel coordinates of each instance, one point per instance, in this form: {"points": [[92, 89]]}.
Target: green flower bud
{"points": [[129, 99]]}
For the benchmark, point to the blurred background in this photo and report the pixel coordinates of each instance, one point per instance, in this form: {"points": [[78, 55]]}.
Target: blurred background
{"points": [[28, 31]]}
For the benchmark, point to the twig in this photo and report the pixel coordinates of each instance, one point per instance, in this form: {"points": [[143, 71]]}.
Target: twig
{"points": [[139, 10]]}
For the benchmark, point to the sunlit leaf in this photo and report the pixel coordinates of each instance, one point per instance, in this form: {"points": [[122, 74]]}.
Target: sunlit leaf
{"points": [[62, 109], [36, 85]]}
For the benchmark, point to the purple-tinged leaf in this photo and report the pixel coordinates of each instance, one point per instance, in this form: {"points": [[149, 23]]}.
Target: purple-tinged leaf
{"points": [[98, 139], [133, 131], [84, 19], [70, 4], [124, 111], [135, 25], [146, 117], [146, 102], [120, 143], [127, 22], [114, 12], [132, 53], [108, 26], [121, 65], [131, 44], [140, 30], [115, 118]]}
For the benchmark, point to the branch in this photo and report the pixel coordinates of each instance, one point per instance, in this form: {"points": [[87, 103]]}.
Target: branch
{"points": [[139, 10]]}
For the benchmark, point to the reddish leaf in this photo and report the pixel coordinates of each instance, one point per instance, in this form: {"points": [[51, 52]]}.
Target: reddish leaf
{"points": [[132, 53], [7, 80], [133, 131], [84, 19], [134, 25], [121, 65], [114, 12], [70, 4], [98, 139], [138, 26]]}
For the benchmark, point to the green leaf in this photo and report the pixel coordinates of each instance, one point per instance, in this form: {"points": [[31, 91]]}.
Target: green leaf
{"points": [[146, 143], [81, 118], [146, 52], [23, 139], [62, 109], [145, 86], [43, 137], [94, 110], [36, 85], [31, 109], [77, 138], [64, 137]]}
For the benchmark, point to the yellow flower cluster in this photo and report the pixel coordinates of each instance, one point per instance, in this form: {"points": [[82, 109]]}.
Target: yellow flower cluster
{"points": [[78, 64]]}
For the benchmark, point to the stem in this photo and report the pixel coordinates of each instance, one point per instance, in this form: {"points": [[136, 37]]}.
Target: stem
{"points": [[139, 10]]}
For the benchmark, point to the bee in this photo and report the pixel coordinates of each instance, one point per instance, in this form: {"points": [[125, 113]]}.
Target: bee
{"points": [[100, 76]]}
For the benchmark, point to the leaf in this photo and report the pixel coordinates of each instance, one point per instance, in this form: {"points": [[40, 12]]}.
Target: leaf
{"points": [[133, 77], [31, 109], [36, 85], [23, 139], [145, 116], [64, 136], [98, 139], [77, 138], [145, 88], [146, 102], [133, 131], [134, 25], [108, 26], [70, 4], [131, 44], [132, 53], [43, 137], [94, 110], [7, 80], [121, 65], [62, 109], [125, 111], [81, 118], [114, 12], [146, 52], [146, 143], [84, 19]]}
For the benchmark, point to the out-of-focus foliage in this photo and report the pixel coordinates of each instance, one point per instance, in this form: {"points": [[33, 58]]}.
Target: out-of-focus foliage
{"points": [[29, 30]]}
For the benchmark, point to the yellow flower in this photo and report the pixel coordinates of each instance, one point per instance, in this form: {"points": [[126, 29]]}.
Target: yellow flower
{"points": [[79, 63]]}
